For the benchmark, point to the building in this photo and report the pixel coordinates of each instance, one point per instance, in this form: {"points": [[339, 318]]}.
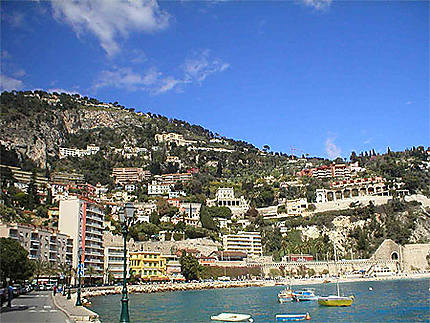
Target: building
{"points": [[148, 265], [225, 197], [67, 178], [176, 138], [158, 189], [75, 152], [334, 170], [247, 242], [173, 178], [296, 207], [174, 160], [190, 213], [297, 258], [23, 178], [375, 186], [114, 255], [126, 175], [173, 268], [42, 243], [83, 221]]}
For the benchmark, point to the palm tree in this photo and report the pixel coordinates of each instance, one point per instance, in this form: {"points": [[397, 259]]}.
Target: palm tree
{"points": [[91, 272]]}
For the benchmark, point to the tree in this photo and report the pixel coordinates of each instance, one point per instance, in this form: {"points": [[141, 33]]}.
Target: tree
{"points": [[91, 272], [14, 262], [39, 268], [190, 267]]}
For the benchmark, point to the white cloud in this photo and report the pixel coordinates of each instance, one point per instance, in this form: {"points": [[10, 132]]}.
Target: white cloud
{"points": [[194, 70], [317, 4], [331, 149], [199, 66], [8, 83], [409, 102], [108, 20]]}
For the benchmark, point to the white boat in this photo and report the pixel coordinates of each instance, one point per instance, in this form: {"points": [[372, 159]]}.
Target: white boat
{"points": [[232, 317]]}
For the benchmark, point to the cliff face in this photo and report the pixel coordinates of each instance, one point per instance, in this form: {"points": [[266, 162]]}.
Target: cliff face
{"points": [[40, 135]]}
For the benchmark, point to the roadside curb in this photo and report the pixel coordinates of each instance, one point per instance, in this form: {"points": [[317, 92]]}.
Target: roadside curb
{"points": [[59, 307], [92, 317]]}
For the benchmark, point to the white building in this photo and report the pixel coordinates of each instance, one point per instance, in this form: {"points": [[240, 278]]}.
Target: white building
{"points": [[75, 152], [190, 213], [176, 138], [158, 189], [248, 242], [42, 243], [225, 197], [83, 221]]}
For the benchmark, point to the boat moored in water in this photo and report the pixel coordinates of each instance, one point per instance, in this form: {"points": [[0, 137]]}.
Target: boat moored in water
{"points": [[305, 295], [285, 295], [334, 300], [232, 317], [292, 317]]}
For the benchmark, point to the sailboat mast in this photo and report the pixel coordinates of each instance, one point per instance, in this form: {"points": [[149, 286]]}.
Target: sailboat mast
{"points": [[335, 265]]}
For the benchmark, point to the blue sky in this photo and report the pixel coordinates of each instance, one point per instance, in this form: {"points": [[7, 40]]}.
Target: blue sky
{"points": [[325, 77]]}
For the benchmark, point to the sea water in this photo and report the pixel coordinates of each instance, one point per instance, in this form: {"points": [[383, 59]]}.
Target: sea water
{"points": [[388, 301]]}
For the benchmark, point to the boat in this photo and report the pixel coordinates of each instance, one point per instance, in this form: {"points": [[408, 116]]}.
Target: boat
{"points": [[292, 317], [232, 317], [285, 295], [305, 295], [336, 300]]}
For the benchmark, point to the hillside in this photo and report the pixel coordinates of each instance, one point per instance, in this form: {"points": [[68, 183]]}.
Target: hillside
{"points": [[36, 126]]}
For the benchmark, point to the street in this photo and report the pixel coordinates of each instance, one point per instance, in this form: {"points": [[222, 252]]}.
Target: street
{"points": [[34, 307]]}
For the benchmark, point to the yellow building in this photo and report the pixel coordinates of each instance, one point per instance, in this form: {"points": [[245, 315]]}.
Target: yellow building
{"points": [[148, 265]]}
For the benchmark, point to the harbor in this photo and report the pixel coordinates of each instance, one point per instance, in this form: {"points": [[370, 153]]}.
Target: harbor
{"points": [[261, 303]]}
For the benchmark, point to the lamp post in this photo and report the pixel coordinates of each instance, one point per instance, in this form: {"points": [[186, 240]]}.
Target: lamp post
{"points": [[78, 298], [126, 217], [69, 282]]}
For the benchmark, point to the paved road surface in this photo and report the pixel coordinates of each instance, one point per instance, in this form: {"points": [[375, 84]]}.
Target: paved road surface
{"points": [[35, 307]]}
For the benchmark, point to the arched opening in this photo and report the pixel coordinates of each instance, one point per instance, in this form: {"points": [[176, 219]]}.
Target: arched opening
{"points": [[395, 256]]}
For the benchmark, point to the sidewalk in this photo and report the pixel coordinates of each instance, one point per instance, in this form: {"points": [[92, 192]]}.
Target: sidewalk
{"points": [[77, 314]]}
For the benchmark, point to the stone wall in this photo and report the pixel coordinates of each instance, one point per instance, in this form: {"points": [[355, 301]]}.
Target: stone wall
{"points": [[416, 256]]}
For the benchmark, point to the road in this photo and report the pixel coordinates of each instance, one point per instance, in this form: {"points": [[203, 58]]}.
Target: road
{"points": [[34, 307]]}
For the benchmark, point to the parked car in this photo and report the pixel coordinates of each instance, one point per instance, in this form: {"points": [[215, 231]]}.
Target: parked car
{"points": [[16, 290]]}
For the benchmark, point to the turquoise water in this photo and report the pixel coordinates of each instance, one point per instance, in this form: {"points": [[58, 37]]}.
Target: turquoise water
{"points": [[390, 301]]}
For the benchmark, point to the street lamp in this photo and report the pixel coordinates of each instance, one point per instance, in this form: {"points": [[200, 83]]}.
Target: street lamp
{"points": [[126, 216], [78, 298], [70, 277]]}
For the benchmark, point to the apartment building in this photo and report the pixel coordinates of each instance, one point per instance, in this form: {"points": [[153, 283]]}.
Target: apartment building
{"points": [[75, 152], [42, 243], [67, 178], [158, 189], [247, 242], [148, 265], [129, 175], [23, 178], [335, 170], [174, 178], [114, 255], [83, 220]]}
